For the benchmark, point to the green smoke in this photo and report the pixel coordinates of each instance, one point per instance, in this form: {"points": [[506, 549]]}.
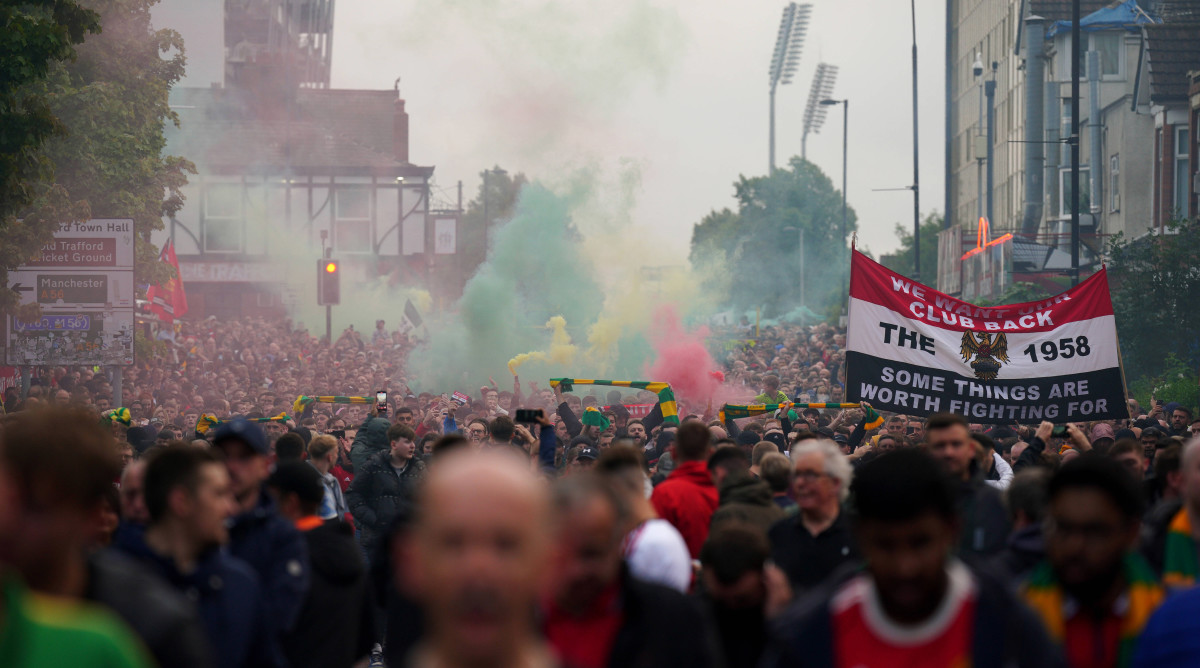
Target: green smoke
{"points": [[535, 270]]}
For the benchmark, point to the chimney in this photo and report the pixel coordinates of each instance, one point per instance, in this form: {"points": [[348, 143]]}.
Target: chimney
{"points": [[400, 131]]}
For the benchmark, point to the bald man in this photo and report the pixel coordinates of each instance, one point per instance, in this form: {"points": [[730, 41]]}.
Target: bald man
{"points": [[477, 559]]}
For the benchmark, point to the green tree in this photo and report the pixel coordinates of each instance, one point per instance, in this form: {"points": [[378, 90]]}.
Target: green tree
{"points": [[760, 247], [901, 261], [1155, 289], [113, 100], [502, 191], [37, 37]]}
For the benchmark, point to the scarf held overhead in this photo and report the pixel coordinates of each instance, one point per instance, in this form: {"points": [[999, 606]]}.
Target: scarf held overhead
{"points": [[666, 396], [304, 400], [208, 421]]}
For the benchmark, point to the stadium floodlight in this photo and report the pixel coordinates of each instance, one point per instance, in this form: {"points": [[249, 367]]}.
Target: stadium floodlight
{"points": [[789, 42], [814, 111]]}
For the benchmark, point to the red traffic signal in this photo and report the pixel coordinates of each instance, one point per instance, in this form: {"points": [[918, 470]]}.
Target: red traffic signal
{"points": [[328, 282]]}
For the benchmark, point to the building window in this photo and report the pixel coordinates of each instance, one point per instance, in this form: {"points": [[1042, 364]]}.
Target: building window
{"points": [[1182, 173], [223, 218], [1111, 46], [1064, 191], [352, 222], [1114, 183]]}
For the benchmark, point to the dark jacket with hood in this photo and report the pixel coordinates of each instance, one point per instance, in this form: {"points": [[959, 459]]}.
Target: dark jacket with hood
{"points": [[370, 439], [165, 621], [746, 500], [336, 624], [228, 600], [378, 495], [1026, 548], [1005, 632], [277, 553]]}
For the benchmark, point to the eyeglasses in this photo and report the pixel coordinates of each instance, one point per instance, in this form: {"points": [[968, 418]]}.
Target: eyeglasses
{"points": [[810, 476]]}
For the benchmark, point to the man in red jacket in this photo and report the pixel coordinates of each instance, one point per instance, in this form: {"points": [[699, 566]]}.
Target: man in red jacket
{"points": [[688, 497]]}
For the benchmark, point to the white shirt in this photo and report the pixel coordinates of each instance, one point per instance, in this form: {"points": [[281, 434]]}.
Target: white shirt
{"points": [[656, 552], [1005, 471]]}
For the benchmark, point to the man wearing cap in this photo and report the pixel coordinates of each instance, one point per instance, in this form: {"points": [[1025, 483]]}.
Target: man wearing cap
{"points": [[335, 626], [586, 459], [258, 535]]}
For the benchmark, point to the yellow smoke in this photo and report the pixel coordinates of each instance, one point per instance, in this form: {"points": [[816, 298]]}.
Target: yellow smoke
{"points": [[561, 352]]}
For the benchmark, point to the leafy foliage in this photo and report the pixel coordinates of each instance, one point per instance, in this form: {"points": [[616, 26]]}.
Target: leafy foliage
{"points": [[37, 38], [759, 244], [901, 261], [1177, 382], [1155, 289], [106, 108], [113, 99], [501, 195]]}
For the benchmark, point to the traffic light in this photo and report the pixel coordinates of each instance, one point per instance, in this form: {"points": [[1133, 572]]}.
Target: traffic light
{"points": [[329, 278]]}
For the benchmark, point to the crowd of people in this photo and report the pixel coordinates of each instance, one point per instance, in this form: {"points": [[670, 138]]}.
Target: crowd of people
{"points": [[581, 527]]}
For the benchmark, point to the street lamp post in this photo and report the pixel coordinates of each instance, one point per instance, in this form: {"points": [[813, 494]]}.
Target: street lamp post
{"points": [[845, 136], [800, 247]]}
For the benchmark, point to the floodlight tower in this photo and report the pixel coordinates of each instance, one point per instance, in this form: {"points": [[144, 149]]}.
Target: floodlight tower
{"points": [[788, 45], [814, 111]]}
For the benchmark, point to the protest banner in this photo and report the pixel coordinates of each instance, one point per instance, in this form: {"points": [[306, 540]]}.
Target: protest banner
{"points": [[911, 349]]}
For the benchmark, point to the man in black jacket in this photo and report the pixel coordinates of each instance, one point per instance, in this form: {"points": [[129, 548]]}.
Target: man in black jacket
{"points": [[598, 614], [385, 485], [336, 626], [984, 519]]}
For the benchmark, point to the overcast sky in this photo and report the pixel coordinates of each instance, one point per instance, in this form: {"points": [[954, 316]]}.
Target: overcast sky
{"points": [[676, 90]]}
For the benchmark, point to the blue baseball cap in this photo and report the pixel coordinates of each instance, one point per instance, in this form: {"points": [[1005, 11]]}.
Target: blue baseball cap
{"points": [[243, 430]]}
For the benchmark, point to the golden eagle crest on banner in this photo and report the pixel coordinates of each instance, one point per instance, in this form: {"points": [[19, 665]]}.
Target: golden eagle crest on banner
{"points": [[990, 353]]}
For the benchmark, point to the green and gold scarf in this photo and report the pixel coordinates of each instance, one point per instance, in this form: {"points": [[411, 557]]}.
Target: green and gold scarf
{"points": [[303, 400], [666, 396], [1180, 564], [1045, 595]]}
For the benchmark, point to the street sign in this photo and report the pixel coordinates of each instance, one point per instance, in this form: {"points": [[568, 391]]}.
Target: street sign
{"points": [[58, 289], [99, 243], [83, 280], [100, 337]]}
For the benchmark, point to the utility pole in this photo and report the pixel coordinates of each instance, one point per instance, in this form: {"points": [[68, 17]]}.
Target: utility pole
{"points": [[1076, 36], [845, 159], [989, 89], [916, 156]]}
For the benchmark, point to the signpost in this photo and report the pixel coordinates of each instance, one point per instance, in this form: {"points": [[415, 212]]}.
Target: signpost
{"points": [[56, 287], [83, 281]]}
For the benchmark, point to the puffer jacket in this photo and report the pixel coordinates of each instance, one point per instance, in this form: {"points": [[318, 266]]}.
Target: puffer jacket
{"points": [[378, 494], [370, 439]]}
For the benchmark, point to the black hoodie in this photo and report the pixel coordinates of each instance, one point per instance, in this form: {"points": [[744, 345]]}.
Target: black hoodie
{"points": [[336, 624]]}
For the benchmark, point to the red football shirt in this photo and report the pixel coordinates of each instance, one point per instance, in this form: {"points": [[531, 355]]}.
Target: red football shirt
{"points": [[586, 641], [864, 637]]}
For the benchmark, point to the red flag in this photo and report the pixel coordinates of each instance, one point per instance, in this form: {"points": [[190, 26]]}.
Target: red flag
{"points": [[168, 301]]}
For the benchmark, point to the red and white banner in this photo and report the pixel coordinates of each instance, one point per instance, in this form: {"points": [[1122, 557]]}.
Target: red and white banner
{"points": [[914, 350], [168, 301]]}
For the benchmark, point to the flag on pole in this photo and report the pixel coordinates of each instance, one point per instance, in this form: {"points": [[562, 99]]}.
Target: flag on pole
{"points": [[168, 301], [412, 315]]}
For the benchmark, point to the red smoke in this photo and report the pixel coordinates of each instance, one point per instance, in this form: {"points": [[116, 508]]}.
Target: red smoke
{"points": [[682, 360]]}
